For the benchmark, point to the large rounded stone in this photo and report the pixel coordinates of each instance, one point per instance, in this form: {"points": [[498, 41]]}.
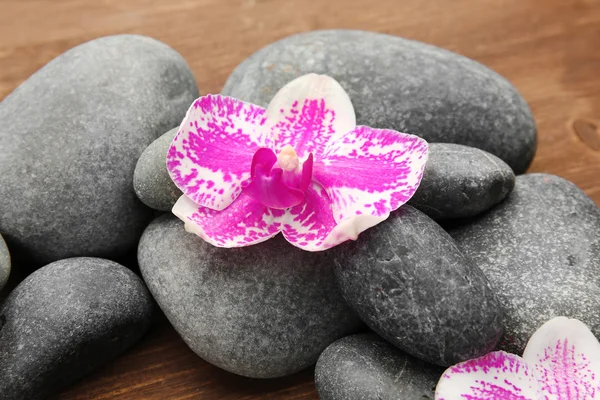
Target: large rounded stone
{"points": [[400, 84], [368, 368], [540, 249], [261, 311], [151, 180], [64, 321], [70, 137], [461, 181], [4, 263], [409, 282]]}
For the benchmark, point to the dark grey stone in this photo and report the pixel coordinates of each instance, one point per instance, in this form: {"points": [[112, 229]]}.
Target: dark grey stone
{"points": [[4, 263], [409, 282], [461, 181], [368, 368], [70, 137], [262, 311], [540, 249], [151, 180], [65, 320], [400, 84]]}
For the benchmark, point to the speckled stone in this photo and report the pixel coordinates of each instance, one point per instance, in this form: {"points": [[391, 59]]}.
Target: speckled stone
{"points": [[540, 249], [65, 320], [4, 263], [70, 137], [366, 367], [461, 181], [151, 180], [408, 282], [261, 311], [403, 85]]}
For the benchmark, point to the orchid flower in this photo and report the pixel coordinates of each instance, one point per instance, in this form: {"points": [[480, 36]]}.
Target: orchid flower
{"points": [[301, 167], [561, 362]]}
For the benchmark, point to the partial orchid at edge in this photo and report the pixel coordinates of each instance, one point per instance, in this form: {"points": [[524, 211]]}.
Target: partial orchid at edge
{"points": [[301, 167], [561, 362]]}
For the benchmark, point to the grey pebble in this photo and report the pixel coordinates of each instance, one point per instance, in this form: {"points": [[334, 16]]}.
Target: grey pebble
{"points": [[540, 249], [151, 180], [64, 321], [4, 263], [400, 84], [366, 367], [70, 137], [461, 181], [408, 281], [262, 311]]}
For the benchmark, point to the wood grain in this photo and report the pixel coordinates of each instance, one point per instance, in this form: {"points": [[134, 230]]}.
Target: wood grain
{"points": [[549, 49]]}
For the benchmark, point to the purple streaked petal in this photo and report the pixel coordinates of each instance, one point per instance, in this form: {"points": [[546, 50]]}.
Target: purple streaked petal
{"points": [[565, 356], [497, 375], [211, 155], [310, 226], [308, 113], [371, 171], [243, 223]]}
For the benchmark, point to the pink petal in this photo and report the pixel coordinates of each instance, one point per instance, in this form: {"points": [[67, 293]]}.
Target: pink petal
{"points": [[496, 375], [267, 188], [310, 226], [371, 171], [308, 113], [307, 171], [270, 185], [265, 157], [566, 356], [210, 157], [243, 223]]}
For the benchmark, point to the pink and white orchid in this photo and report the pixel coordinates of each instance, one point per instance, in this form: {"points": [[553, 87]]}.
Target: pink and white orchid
{"points": [[301, 167], [561, 362]]}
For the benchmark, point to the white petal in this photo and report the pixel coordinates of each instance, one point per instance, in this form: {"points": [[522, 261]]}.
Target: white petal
{"points": [[311, 226], [308, 113], [210, 157], [244, 223], [566, 356], [495, 376]]}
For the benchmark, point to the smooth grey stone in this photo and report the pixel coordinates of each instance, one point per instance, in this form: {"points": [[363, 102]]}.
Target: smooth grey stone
{"points": [[65, 320], [400, 84], [461, 181], [70, 137], [262, 311], [409, 282], [151, 180], [540, 249], [4, 263], [366, 367]]}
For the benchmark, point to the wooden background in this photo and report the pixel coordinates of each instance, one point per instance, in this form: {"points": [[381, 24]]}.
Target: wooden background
{"points": [[549, 49]]}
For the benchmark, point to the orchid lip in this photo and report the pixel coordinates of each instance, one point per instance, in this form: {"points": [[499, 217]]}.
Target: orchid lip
{"points": [[278, 181]]}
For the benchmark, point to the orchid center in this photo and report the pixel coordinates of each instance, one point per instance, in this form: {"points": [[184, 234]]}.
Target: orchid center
{"points": [[288, 160], [279, 180]]}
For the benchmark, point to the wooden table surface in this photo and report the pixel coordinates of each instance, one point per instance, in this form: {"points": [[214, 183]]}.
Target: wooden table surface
{"points": [[549, 49]]}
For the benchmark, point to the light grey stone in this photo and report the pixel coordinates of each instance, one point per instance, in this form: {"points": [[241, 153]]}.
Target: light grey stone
{"points": [[408, 281], [461, 181], [151, 180], [400, 84], [65, 320], [4, 263], [366, 367], [540, 249], [262, 311], [70, 137]]}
